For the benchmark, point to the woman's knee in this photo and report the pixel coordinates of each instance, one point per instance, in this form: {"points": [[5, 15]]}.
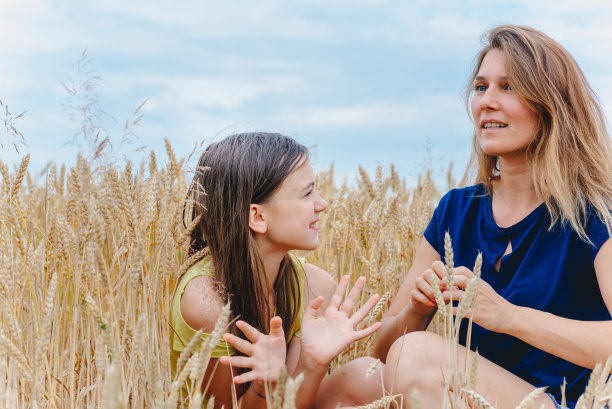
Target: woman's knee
{"points": [[415, 359]]}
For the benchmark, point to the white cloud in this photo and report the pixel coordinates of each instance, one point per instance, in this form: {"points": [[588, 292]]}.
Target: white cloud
{"points": [[221, 92], [367, 114]]}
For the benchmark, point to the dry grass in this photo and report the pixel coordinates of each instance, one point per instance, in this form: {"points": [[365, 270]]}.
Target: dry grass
{"points": [[89, 261]]}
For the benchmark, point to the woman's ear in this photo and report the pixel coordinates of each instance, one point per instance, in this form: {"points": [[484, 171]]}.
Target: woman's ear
{"points": [[257, 222]]}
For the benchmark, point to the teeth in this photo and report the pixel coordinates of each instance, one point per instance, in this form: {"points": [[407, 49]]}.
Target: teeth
{"points": [[490, 125]]}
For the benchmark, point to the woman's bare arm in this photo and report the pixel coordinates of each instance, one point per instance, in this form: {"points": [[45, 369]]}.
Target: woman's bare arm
{"points": [[402, 316], [581, 342]]}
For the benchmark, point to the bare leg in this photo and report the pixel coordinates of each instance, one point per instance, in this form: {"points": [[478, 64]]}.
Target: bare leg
{"points": [[417, 361], [348, 386]]}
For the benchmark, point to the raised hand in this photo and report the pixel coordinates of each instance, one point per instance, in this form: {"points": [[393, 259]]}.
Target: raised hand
{"points": [[265, 353], [323, 337]]}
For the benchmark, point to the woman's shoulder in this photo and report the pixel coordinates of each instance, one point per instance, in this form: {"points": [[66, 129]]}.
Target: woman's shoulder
{"points": [[457, 201], [201, 302], [465, 193]]}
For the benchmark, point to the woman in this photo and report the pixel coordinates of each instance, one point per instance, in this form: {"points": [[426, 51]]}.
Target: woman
{"points": [[256, 198], [540, 215]]}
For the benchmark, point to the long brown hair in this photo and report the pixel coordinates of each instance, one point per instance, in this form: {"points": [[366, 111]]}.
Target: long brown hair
{"points": [[233, 173], [571, 154]]}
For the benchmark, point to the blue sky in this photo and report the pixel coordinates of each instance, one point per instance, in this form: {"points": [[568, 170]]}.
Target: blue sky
{"points": [[361, 81]]}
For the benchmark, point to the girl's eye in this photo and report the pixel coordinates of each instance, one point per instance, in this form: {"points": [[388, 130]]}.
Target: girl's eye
{"points": [[480, 88], [508, 87]]}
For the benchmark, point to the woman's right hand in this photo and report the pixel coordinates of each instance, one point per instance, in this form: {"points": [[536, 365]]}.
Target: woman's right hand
{"points": [[422, 298], [265, 354]]}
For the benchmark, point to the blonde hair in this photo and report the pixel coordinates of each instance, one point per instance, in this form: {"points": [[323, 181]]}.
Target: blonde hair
{"points": [[571, 154]]}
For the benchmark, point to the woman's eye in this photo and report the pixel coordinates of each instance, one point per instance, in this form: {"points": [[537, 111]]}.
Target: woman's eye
{"points": [[508, 87], [480, 88]]}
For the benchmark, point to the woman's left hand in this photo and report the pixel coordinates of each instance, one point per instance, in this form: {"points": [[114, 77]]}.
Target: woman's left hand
{"points": [[323, 337], [492, 311]]}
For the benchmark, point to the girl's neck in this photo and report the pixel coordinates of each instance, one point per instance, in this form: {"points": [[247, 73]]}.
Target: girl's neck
{"points": [[271, 259]]}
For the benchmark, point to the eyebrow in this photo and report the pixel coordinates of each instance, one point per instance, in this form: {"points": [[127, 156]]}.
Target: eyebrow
{"points": [[308, 186], [481, 78]]}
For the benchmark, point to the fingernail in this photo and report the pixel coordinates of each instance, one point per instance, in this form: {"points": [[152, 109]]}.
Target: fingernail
{"points": [[431, 304]]}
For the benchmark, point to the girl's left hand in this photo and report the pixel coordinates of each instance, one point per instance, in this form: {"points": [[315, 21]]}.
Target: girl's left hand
{"points": [[323, 337], [492, 311], [265, 354]]}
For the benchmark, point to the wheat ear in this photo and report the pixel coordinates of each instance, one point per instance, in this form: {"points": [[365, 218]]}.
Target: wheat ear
{"points": [[528, 401], [381, 403], [279, 392], [188, 350], [438, 295], [477, 399], [291, 388], [449, 257], [43, 343]]}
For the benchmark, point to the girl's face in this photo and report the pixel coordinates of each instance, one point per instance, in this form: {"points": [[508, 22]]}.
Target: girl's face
{"points": [[504, 123], [292, 212]]}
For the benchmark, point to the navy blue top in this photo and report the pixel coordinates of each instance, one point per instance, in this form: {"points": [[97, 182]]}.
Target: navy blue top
{"points": [[549, 271]]}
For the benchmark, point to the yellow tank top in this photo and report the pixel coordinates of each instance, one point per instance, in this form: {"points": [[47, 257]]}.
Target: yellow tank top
{"points": [[181, 333]]}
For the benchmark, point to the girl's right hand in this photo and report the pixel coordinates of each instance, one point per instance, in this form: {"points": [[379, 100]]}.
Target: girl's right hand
{"points": [[265, 354], [422, 298]]}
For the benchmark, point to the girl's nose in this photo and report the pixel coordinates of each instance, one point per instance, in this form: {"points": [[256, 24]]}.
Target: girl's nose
{"points": [[320, 204]]}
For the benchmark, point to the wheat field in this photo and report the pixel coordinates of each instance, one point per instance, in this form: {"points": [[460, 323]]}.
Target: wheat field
{"points": [[90, 256]]}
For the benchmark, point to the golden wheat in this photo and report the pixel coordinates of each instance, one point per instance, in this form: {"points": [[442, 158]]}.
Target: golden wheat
{"points": [[89, 260]]}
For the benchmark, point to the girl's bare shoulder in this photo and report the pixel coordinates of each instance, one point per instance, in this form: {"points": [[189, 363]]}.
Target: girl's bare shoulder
{"points": [[201, 303], [318, 282]]}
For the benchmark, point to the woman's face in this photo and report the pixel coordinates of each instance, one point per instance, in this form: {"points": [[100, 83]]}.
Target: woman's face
{"points": [[504, 123], [292, 212]]}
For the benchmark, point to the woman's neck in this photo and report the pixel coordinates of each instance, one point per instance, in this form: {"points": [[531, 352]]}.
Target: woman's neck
{"points": [[514, 193]]}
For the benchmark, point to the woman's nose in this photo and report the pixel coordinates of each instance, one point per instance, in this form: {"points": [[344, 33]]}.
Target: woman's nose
{"points": [[489, 100]]}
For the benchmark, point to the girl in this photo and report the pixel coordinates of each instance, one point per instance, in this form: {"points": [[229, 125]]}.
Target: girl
{"points": [[540, 215], [257, 200]]}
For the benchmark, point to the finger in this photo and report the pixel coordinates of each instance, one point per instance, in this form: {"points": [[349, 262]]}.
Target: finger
{"points": [[251, 333], [338, 296], [424, 287], [430, 274], [458, 281], [419, 297], [464, 271], [313, 306], [276, 327], [240, 344], [351, 300], [366, 332], [461, 281], [237, 361], [439, 268], [457, 295], [246, 377], [364, 310]]}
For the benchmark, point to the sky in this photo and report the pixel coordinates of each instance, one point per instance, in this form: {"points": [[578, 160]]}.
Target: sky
{"points": [[360, 82]]}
